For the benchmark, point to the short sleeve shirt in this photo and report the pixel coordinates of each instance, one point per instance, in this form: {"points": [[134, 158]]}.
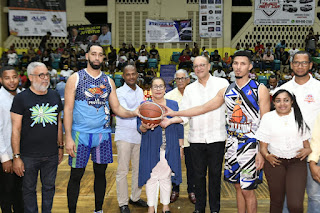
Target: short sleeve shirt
{"points": [[39, 130]]}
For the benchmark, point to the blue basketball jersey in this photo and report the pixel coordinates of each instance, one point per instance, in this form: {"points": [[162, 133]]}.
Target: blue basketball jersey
{"points": [[91, 113]]}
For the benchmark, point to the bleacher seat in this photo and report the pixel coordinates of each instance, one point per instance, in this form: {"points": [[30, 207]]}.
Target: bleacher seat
{"points": [[153, 62], [55, 63], [118, 79], [277, 64], [175, 57], [263, 79]]}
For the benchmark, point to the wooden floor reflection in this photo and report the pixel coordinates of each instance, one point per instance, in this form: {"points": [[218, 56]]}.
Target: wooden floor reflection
{"points": [[182, 205]]}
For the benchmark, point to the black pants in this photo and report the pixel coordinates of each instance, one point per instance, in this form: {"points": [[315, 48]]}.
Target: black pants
{"points": [[10, 192], [100, 184], [207, 157], [189, 171]]}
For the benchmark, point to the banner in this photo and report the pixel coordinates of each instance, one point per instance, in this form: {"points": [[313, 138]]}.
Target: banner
{"points": [[159, 31], [90, 34], [284, 12], [210, 18], [167, 73], [37, 17]]}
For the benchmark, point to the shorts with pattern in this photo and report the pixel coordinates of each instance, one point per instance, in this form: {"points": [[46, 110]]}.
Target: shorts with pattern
{"points": [[240, 162], [99, 145]]}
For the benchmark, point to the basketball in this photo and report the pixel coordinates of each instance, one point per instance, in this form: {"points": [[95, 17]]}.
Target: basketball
{"points": [[151, 113]]}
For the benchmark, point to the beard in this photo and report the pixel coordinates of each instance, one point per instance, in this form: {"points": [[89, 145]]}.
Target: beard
{"points": [[10, 90], [238, 77], [302, 75], [40, 87], [94, 66]]}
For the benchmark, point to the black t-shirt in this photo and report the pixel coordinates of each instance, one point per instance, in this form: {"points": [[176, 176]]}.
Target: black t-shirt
{"points": [[215, 58], [39, 129], [153, 52]]}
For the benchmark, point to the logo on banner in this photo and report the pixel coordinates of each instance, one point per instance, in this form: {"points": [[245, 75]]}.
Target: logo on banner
{"points": [[39, 18], [20, 18], [269, 7], [56, 20]]}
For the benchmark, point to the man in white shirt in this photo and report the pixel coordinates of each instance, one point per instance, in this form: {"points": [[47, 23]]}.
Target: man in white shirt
{"points": [[66, 72], [105, 38], [219, 73], [12, 58], [128, 141], [11, 184], [207, 135], [182, 80], [53, 76], [307, 92], [293, 51]]}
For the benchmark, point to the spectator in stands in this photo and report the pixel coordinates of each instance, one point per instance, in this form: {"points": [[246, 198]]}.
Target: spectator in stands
{"points": [[74, 37], [238, 48], [84, 45], [195, 51], [60, 87], [204, 51], [206, 54], [123, 49], [317, 74], [284, 58], [186, 49], [259, 48], [150, 74], [12, 48], [55, 56], [81, 59], [272, 83], [226, 60], [215, 60], [154, 53], [12, 58], [219, 73], [133, 57], [112, 59], [23, 79], [268, 48], [46, 58], [142, 61], [64, 59], [49, 49], [286, 75], [231, 75], [122, 60], [66, 72], [293, 51], [60, 49], [280, 45], [185, 60], [53, 76], [131, 48], [4, 58], [73, 59], [33, 56], [105, 37], [24, 60], [311, 41], [247, 49], [253, 74], [143, 49], [268, 60], [44, 41]]}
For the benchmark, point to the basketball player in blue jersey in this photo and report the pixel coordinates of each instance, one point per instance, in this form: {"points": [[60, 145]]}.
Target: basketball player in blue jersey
{"points": [[88, 94], [246, 102]]}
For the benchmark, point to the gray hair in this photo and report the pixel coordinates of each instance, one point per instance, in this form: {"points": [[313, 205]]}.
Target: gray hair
{"points": [[181, 71], [33, 65]]}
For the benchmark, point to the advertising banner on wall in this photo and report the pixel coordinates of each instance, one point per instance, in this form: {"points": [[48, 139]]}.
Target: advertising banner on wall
{"points": [[210, 18], [37, 17], [160, 31], [90, 34], [284, 12]]}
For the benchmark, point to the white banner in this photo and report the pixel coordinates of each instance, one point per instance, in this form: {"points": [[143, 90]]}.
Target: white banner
{"points": [[158, 31], [284, 12], [210, 18], [37, 23]]}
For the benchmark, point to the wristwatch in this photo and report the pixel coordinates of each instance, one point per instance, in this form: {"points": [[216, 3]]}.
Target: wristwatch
{"points": [[61, 146], [16, 155]]}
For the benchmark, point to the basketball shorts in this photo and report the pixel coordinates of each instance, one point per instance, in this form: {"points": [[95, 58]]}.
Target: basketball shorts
{"points": [[240, 162], [98, 145]]}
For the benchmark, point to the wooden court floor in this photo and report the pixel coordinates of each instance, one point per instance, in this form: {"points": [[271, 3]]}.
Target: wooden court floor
{"points": [[182, 205]]}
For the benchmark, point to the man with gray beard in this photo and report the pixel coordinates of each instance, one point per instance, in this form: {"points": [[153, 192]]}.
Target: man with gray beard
{"points": [[37, 141]]}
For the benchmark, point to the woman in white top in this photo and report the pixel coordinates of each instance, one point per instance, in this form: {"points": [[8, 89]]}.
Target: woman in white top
{"points": [[283, 137]]}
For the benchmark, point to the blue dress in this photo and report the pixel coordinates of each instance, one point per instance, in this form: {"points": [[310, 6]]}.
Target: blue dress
{"points": [[150, 149]]}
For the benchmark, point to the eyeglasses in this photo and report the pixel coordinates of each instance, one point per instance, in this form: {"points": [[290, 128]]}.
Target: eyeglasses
{"points": [[181, 79], [199, 66], [302, 63], [156, 87], [42, 75]]}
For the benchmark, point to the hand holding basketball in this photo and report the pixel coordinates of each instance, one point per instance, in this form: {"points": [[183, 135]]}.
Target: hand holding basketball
{"points": [[148, 126]]}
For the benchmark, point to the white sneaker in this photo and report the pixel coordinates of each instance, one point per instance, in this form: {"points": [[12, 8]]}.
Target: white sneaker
{"points": [[101, 211]]}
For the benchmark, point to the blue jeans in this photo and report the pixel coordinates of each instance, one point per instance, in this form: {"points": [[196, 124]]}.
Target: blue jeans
{"points": [[48, 172], [313, 191]]}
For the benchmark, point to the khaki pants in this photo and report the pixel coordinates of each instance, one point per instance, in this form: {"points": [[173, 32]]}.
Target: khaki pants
{"points": [[126, 152]]}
